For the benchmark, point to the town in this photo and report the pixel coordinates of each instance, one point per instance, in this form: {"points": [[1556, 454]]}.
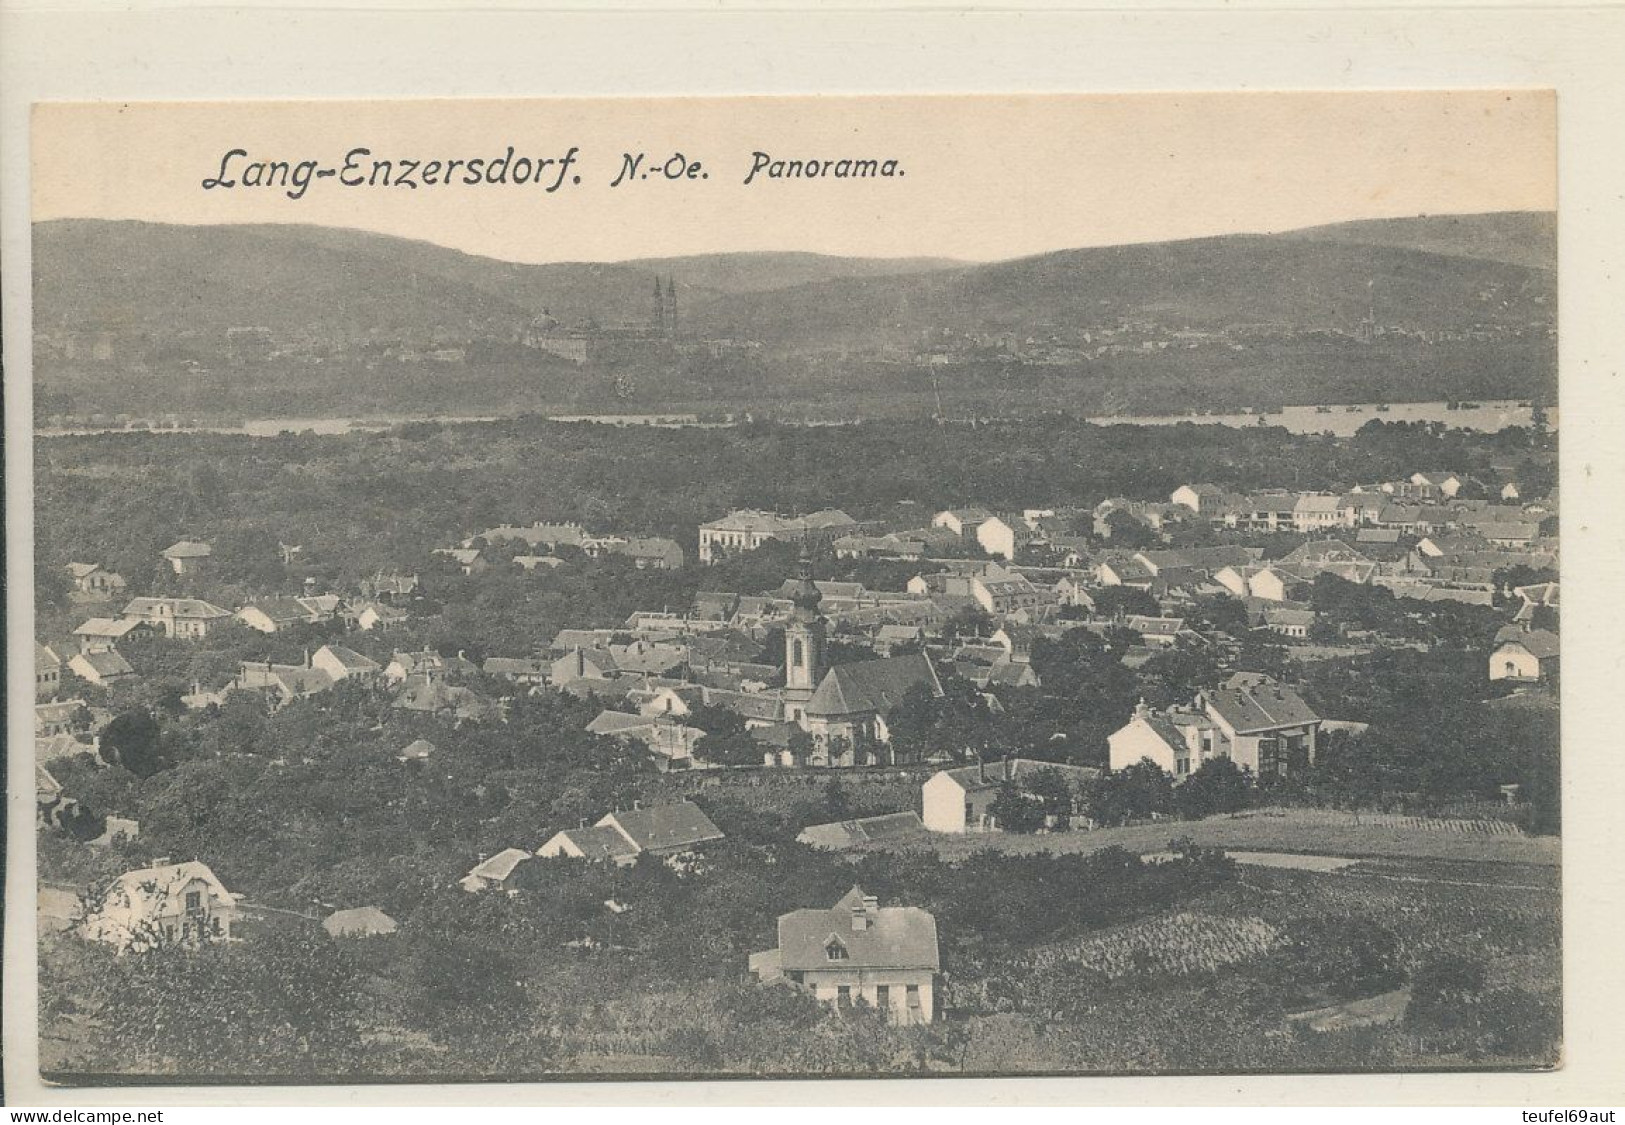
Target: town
{"points": [[847, 755]]}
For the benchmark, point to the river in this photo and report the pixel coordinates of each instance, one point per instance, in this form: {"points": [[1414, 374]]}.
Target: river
{"points": [[1341, 420]]}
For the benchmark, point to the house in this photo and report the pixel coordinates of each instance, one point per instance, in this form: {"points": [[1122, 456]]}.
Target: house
{"points": [[664, 736], [1513, 535], [959, 800], [1125, 570], [1268, 726], [67, 716], [747, 529], [890, 546], [92, 583], [496, 873], [381, 616], [650, 552], [426, 662], [1199, 498], [530, 563], [517, 670], [47, 671], [594, 843], [104, 667], [1317, 512], [1447, 484], [283, 683], [105, 632], [888, 638], [1287, 621], [51, 808], [849, 833], [663, 830], [538, 534], [1259, 582], [164, 904], [468, 560], [389, 588], [1156, 632], [49, 748], [1002, 592], [358, 922], [859, 951], [417, 750], [341, 663], [117, 830], [1542, 595], [1251, 719], [583, 664], [272, 615], [180, 618], [188, 557], [961, 521], [1002, 538], [429, 696], [1525, 657]]}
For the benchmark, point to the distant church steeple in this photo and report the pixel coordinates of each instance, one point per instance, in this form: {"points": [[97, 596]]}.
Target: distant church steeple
{"points": [[803, 638]]}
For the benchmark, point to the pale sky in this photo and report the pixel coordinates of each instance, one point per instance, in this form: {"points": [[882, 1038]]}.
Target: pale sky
{"points": [[984, 177]]}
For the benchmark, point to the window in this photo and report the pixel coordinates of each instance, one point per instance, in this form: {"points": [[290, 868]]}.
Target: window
{"points": [[194, 901], [913, 998], [835, 949], [883, 997], [843, 995]]}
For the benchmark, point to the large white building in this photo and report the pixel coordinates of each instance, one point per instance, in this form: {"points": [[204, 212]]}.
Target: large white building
{"points": [[1251, 719], [747, 529]]}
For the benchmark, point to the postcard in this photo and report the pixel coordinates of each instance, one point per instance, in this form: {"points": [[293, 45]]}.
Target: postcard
{"points": [[697, 587]]}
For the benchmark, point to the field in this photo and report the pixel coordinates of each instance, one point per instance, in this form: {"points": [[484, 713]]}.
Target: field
{"points": [[1308, 831], [1208, 988]]}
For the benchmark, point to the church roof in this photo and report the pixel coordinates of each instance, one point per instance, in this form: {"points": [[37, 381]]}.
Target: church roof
{"points": [[872, 687]]}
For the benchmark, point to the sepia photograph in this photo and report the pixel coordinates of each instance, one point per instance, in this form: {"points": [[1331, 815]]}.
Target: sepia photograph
{"points": [[887, 586]]}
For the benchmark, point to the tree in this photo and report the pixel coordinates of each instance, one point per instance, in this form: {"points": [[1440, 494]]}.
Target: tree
{"points": [[1054, 795], [1217, 786], [727, 741], [1131, 793], [1015, 811], [1110, 601], [133, 740]]}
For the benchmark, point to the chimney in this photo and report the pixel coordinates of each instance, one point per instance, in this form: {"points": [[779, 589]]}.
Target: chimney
{"points": [[860, 919], [583, 823], [637, 806]]}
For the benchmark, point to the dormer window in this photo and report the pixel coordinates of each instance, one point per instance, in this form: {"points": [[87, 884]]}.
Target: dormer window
{"points": [[835, 949]]}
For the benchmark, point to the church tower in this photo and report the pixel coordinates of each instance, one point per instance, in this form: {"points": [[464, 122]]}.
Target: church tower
{"points": [[803, 641]]}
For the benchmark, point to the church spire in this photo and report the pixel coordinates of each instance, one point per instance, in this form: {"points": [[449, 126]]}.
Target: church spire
{"points": [[806, 596]]}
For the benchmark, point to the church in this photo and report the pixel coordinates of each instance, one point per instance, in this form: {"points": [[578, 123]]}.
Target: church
{"points": [[843, 708]]}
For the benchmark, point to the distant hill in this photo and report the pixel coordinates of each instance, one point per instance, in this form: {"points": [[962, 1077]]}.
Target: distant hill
{"points": [[166, 298], [1312, 282], [1517, 238]]}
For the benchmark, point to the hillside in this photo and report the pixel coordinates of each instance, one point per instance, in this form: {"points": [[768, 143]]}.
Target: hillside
{"points": [[137, 317], [1517, 238], [1307, 284]]}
